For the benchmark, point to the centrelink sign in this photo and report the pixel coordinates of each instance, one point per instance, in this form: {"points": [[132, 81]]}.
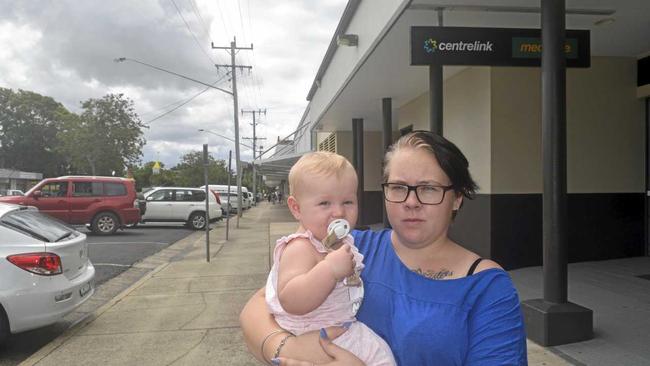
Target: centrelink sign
{"points": [[491, 46]]}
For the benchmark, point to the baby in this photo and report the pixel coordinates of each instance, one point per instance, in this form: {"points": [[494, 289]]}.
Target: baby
{"points": [[312, 286]]}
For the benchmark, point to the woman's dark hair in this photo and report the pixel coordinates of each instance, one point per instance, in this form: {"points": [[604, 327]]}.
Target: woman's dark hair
{"points": [[451, 159]]}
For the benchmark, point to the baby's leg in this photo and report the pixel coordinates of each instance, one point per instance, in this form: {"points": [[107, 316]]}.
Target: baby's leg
{"points": [[366, 345]]}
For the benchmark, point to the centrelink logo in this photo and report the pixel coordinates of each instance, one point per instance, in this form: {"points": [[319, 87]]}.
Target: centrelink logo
{"points": [[431, 45]]}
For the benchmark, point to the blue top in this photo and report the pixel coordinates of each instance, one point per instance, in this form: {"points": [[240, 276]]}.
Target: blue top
{"points": [[474, 320]]}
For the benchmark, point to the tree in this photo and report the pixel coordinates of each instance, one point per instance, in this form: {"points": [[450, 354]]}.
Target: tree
{"points": [[105, 138], [189, 171], [144, 176], [29, 124]]}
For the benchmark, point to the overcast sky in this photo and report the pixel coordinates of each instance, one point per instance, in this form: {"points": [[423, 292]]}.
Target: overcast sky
{"points": [[65, 49]]}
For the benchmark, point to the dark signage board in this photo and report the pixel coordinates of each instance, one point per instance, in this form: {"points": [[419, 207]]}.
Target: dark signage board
{"points": [[491, 46]]}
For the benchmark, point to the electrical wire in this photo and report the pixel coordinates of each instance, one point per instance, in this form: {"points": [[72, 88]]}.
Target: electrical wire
{"points": [[184, 102], [195, 9], [192, 33], [176, 102]]}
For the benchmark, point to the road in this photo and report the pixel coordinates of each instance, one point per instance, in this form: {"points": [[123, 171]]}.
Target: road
{"points": [[114, 254], [111, 255]]}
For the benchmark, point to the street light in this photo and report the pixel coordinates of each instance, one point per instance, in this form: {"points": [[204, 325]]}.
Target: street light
{"points": [[122, 59], [234, 95]]}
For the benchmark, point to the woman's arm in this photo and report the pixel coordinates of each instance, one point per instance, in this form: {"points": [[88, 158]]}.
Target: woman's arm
{"points": [[256, 323], [497, 335]]}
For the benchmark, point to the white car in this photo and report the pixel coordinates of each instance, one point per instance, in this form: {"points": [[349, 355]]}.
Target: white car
{"points": [[180, 204], [229, 206], [11, 192], [246, 200], [45, 272]]}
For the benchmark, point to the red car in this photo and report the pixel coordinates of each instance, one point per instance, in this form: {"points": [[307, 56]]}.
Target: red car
{"points": [[104, 203]]}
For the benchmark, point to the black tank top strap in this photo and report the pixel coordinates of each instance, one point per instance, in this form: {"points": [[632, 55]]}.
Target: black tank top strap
{"points": [[472, 268]]}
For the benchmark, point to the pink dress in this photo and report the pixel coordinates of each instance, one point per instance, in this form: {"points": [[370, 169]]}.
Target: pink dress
{"points": [[340, 306]]}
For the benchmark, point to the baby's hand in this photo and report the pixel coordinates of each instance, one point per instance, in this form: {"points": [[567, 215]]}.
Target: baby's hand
{"points": [[341, 261]]}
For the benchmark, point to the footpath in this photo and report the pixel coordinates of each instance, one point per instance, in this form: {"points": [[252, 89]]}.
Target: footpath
{"points": [[185, 311]]}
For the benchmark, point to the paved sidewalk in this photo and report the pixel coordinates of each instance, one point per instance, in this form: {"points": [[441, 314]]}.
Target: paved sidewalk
{"points": [[185, 311]]}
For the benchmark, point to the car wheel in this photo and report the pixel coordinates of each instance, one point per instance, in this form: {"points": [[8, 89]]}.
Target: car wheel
{"points": [[105, 223], [197, 221], [4, 326]]}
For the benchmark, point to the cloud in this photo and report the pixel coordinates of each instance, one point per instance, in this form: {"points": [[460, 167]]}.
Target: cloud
{"points": [[65, 49]]}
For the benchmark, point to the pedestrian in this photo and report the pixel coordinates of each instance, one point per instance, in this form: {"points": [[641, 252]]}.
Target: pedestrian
{"points": [[308, 287], [433, 301]]}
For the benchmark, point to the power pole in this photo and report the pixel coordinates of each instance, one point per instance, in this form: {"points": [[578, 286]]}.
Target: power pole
{"points": [[254, 138], [233, 47]]}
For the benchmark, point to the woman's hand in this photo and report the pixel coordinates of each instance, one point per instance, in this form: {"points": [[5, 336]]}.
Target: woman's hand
{"points": [[339, 355]]}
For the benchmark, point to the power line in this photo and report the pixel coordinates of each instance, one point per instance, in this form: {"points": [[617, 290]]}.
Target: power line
{"points": [[196, 11], [175, 108], [192, 33], [223, 21], [241, 21], [184, 102]]}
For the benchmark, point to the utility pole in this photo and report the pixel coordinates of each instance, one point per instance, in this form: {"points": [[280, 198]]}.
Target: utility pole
{"points": [[233, 47], [254, 138]]}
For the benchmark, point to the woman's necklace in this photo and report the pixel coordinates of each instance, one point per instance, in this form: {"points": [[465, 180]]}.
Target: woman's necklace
{"points": [[434, 275]]}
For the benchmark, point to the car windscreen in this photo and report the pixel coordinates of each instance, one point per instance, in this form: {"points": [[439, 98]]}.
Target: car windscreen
{"points": [[37, 225]]}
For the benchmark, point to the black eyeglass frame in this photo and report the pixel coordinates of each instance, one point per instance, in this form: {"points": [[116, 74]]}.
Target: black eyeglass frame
{"points": [[415, 189]]}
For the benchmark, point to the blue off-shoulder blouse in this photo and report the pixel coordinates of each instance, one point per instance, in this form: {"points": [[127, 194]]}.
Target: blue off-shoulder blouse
{"points": [[475, 320]]}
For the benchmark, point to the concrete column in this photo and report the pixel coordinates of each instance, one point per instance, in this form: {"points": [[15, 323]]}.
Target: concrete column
{"points": [[357, 161], [387, 136], [553, 320], [435, 99]]}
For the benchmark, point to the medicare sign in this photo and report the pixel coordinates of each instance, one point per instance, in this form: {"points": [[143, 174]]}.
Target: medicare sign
{"points": [[491, 46]]}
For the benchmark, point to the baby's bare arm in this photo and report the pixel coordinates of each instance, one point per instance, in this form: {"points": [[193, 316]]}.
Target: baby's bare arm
{"points": [[304, 280]]}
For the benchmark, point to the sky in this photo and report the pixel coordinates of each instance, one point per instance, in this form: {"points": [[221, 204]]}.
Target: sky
{"points": [[65, 49]]}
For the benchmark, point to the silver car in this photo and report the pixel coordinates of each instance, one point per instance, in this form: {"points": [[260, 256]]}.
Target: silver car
{"points": [[45, 272]]}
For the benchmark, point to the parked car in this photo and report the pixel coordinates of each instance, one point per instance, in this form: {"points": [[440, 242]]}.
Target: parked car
{"points": [[103, 203], [11, 192], [223, 190], [246, 200], [229, 205], [180, 204], [45, 272]]}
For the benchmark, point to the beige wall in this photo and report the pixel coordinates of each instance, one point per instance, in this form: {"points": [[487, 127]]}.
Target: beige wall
{"points": [[466, 112], [467, 120], [415, 112], [372, 156], [605, 129], [516, 130]]}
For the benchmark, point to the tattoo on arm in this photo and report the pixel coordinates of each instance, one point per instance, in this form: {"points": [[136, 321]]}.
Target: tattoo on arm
{"points": [[434, 275]]}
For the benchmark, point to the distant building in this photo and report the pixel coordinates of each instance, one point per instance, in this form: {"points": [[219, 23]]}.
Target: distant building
{"points": [[15, 179]]}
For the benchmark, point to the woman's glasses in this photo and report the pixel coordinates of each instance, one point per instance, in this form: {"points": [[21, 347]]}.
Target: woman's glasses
{"points": [[425, 193]]}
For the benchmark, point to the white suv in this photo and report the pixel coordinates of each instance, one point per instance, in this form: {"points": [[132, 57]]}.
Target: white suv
{"points": [[180, 204]]}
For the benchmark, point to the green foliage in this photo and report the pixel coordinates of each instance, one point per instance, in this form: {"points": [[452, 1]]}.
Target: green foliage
{"points": [[106, 137], [38, 134], [144, 176], [189, 171], [29, 124]]}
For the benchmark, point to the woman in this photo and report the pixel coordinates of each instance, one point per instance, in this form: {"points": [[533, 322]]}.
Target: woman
{"points": [[433, 301]]}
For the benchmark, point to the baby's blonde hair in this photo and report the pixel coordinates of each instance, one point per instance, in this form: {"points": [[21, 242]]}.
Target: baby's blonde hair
{"points": [[320, 163]]}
